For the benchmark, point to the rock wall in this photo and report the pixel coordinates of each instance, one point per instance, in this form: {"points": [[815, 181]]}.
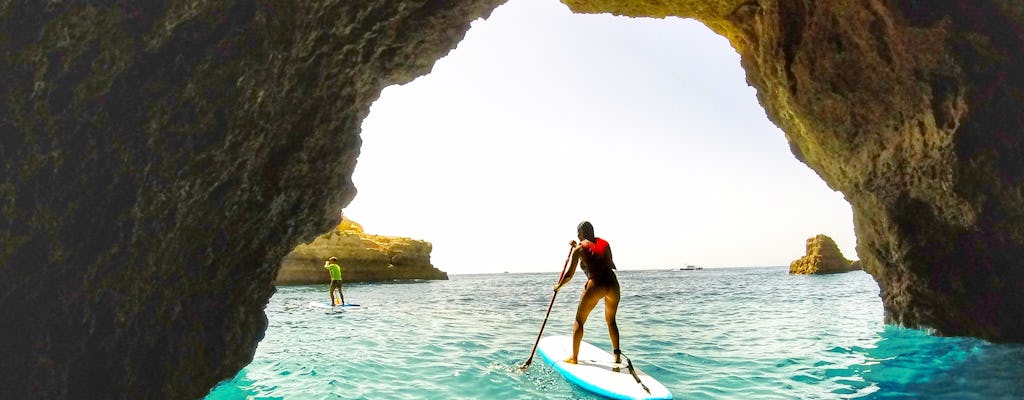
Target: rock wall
{"points": [[363, 258], [822, 257], [159, 159], [909, 109]]}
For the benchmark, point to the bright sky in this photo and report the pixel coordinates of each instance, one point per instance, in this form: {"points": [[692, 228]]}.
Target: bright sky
{"points": [[542, 118]]}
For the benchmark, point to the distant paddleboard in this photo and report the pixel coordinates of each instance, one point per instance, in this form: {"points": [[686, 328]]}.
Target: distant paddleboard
{"points": [[596, 373], [327, 304]]}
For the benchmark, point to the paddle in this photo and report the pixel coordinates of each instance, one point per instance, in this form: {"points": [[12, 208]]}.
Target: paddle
{"points": [[560, 276]]}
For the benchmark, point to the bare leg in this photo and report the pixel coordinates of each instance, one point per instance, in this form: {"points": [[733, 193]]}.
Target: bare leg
{"points": [[611, 306], [591, 295]]}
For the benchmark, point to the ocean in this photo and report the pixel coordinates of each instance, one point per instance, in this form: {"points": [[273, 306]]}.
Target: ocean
{"points": [[729, 333]]}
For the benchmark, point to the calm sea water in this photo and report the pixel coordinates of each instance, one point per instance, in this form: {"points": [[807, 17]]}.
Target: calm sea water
{"points": [[748, 333]]}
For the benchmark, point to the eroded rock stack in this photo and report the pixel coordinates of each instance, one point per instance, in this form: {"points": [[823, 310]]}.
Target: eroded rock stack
{"points": [[823, 257], [363, 258]]}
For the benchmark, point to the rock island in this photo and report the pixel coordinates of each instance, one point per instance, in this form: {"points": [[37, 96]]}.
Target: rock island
{"points": [[363, 258], [823, 257]]}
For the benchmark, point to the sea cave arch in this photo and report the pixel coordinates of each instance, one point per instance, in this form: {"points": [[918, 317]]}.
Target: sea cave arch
{"points": [[159, 159]]}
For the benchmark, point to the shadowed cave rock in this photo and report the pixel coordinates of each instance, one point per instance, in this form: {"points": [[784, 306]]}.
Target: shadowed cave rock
{"points": [[158, 159]]}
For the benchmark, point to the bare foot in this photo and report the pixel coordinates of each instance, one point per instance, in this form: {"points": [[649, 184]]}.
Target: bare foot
{"points": [[571, 360]]}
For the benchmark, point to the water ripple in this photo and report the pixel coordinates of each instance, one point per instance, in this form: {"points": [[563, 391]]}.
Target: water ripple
{"points": [[742, 333]]}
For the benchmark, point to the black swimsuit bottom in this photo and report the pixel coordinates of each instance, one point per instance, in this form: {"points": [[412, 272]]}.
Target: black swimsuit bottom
{"points": [[601, 276]]}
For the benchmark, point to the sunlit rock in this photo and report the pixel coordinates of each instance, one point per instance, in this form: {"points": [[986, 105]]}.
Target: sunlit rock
{"points": [[363, 257], [822, 257]]}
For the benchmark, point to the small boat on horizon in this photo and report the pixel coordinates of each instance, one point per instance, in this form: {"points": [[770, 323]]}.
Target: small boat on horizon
{"points": [[691, 268]]}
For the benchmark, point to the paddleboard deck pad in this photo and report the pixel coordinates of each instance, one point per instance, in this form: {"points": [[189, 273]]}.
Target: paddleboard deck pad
{"points": [[596, 372], [327, 304]]}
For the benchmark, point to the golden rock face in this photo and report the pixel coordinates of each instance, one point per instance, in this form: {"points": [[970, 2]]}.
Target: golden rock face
{"points": [[162, 159], [823, 257], [363, 258]]}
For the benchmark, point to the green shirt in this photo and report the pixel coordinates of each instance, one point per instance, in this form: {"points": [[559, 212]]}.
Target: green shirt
{"points": [[335, 270]]}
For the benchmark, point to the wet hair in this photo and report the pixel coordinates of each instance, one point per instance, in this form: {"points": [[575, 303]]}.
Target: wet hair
{"points": [[586, 229]]}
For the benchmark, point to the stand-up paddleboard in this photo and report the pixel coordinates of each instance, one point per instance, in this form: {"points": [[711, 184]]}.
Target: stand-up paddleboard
{"points": [[327, 304], [596, 372]]}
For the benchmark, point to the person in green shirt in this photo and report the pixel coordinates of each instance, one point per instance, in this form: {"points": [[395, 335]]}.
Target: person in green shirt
{"points": [[332, 266]]}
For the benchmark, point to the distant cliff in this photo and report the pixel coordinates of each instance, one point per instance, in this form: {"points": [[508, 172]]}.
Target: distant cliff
{"points": [[363, 258], [823, 257]]}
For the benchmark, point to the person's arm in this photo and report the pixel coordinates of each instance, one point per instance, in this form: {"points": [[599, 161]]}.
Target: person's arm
{"points": [[574, 259]]}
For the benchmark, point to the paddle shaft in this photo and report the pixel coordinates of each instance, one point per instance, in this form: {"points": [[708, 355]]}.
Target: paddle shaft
{"points": [[535, 343]]}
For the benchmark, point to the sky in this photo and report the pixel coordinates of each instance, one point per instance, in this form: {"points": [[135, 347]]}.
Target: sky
{"points": [[541, 118]]}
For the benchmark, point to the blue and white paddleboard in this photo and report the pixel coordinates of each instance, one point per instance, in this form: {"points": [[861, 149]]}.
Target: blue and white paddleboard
{"points": [[596, 372], [327, 304]]}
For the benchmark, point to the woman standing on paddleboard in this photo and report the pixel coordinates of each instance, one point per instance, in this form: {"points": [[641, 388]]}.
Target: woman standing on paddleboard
{"points": [[594, 257]]}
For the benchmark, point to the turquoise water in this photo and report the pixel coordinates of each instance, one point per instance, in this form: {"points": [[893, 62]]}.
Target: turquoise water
{"points": [[747, 333]]}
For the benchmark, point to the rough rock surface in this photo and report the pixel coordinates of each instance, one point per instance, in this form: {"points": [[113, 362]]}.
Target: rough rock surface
{"points": [[822, 257], [363, 258], [159, 159]]}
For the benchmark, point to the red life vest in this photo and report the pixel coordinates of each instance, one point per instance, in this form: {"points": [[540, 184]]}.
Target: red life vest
{"points": [[597, 248], [596, 261]]}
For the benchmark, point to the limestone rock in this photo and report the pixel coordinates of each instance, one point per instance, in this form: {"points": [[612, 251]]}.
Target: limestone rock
{"points": [[159, 159], [822, 257], [363, 258]]}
